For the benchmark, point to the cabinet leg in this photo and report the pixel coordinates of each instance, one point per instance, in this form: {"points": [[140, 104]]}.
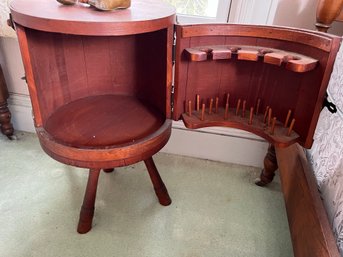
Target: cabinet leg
{"points": [[87, 209], [270, 166], [5, 120], [160, 188], [108, 170]]}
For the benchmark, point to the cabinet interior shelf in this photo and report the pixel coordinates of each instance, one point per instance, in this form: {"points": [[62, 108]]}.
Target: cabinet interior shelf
{"points": [[292, 61], [103, 121]]}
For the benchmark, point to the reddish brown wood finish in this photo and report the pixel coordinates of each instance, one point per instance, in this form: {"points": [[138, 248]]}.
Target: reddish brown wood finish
{"points": [[87, 209], [5, 114], [100, 85], [292, 61], [143, 16], [310, 230], [235, 119], [227, 70], [159, 187]]}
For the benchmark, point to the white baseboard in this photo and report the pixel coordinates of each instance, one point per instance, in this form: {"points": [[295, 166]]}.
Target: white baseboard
{"points": [[21, 110], [214, 143], [217, 144]]}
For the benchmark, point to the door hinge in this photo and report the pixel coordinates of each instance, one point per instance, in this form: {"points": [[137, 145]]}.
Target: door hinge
{"points": [[173, 72], [174, 47], [10, 22], [172, 98]]}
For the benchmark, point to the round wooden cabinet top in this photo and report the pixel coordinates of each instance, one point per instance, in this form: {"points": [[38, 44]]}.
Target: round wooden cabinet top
{"points": [[80, 19]]}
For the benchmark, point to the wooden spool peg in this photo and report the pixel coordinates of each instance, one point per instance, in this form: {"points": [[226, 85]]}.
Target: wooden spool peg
{"points": [[243, 108], [258, 106], [198, 102], [289, 132], [287, 118], [203, 111], [273, 126], [216, 104], [189, 108], [269, 116], [251, 115], [226, 114], [211, 106], [265, 114], [238, 106], [227, 99]]}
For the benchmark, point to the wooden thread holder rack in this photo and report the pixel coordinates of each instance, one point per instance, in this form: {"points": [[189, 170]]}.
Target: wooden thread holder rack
{"points": [[264, 124], [292, 61], [238, 113]]}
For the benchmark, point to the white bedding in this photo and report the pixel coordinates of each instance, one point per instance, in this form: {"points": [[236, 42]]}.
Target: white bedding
{"points": [[326, 155]]}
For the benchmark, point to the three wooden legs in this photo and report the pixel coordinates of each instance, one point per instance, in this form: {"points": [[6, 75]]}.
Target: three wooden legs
{"points": [[87, 209]]}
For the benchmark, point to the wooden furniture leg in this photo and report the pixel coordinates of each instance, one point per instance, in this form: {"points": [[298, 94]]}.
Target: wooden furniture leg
{"points": [[87, 209], [159, 187], [270, 166], [108, 170], [5, 115]]}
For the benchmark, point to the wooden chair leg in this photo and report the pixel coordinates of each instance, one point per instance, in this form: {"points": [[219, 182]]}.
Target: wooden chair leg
{"points": [[87, 209], [270, 166], [159, 187]]}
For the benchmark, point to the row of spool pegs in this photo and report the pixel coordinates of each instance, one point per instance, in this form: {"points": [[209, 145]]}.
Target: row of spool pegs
{"points": [[240, 110]]}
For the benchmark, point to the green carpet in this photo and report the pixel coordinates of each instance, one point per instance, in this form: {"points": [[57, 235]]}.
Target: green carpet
{"points": [[217, 211]]}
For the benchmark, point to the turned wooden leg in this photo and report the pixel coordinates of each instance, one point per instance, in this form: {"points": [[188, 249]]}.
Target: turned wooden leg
{"points": [[108, 170], [5, 115], [87, 209], [5, 120], [160, 188], [270, 166]]}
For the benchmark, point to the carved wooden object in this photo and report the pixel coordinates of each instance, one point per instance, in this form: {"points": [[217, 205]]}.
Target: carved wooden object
{"points": [[292, 61], [327, 12], [103, 5]]}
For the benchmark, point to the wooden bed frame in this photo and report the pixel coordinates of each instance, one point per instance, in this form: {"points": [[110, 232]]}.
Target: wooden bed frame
{"points": [[311, 231], [310, 228]]}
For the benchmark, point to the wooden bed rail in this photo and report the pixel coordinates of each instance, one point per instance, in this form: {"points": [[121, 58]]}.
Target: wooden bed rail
{"points": [[310, 230]]}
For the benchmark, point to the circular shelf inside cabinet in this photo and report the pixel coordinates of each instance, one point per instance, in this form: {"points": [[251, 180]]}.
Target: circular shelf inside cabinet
{"points": [[109, 130]]}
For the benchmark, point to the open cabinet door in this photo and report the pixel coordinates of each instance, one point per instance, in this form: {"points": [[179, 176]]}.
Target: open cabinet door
{"points": [[270, 81]]}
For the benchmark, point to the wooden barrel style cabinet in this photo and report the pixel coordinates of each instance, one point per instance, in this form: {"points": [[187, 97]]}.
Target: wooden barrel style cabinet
{"points": [[102, 93], [99, 83]]}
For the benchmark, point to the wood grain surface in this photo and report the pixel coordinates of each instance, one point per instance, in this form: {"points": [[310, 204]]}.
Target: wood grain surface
{"points": [[310, 230], [49, 15]]}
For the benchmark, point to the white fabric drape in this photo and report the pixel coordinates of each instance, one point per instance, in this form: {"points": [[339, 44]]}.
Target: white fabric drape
{"points": [[326, 155]]}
